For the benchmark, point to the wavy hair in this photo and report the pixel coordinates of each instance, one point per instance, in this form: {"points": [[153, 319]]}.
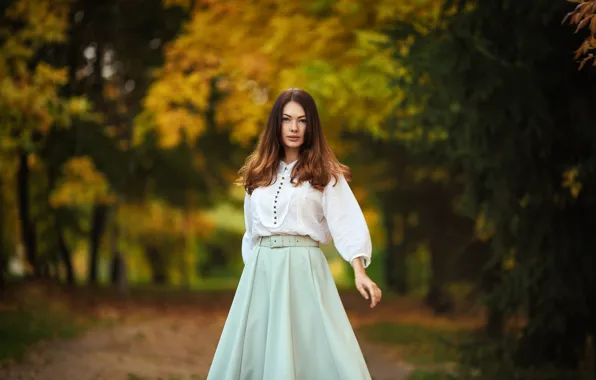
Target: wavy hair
{"points": [[316, 162]]}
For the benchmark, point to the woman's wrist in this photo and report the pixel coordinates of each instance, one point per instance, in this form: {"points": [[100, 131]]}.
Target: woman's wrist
{"points": [[358, 267]]}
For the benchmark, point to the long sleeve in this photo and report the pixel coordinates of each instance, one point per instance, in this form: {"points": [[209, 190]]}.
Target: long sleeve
{"points": [[248, 242], [346, 222]]}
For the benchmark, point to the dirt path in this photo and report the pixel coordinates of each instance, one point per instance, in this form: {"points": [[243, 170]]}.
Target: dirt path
{"points": [[171, 346]]}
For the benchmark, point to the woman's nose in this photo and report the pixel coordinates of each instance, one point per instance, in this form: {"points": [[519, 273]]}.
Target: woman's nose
{"points": [[294, 126]]}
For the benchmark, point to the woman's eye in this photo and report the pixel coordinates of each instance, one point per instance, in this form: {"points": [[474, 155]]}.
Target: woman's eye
{"points": [[285, 119], [303, 121]]}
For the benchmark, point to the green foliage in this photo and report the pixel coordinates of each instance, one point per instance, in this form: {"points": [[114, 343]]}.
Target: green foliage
{"points": [[495, 96], [418, 344], [22, 328], [36, 317], [429, 375], [219, 255], [419, 275]]}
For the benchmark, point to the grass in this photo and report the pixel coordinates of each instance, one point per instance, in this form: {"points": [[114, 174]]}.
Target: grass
{"points": [[432, 349], [31, 312], [428, 375], [132, 376], [35, 312], [33, 317], [418, 344]]}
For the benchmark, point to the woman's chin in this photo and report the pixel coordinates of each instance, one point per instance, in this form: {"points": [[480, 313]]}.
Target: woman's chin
{"points": [[293, 144]]}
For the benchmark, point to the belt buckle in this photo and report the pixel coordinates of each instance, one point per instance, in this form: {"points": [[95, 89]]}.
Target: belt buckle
{"points": [[276, 242]]}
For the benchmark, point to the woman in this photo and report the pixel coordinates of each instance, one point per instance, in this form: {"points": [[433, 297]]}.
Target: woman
{"points": [[287, 321]]}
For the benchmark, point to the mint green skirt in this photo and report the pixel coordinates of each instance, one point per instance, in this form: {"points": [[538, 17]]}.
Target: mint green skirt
{"points": [[287, 322]]}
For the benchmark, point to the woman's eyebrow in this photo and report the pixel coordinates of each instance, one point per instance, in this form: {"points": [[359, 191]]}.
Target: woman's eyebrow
{"points": [[299, 117]]}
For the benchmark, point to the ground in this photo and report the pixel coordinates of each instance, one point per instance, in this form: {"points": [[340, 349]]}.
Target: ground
{"points": [[177, 341]]}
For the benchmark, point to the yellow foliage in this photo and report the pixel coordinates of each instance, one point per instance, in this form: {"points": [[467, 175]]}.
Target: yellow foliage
{"points": [[82, 184], [509, 263], [484, 227], [256, 49], [570, 181], [78, 106], [439, 174], [157, 218], [44, 21], [179, 3], [30, 94], [434, 174], [525, 201], [8, 195]]}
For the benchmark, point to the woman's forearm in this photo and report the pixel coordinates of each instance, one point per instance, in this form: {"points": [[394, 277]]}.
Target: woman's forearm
{"points": [[358, 267]]}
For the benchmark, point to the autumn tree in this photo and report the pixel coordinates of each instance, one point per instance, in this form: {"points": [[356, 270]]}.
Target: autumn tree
{"points": [[74, 164], [32, 104], [109, 54], [251, 51], [584, 16], [117, 47], [247, 52]]}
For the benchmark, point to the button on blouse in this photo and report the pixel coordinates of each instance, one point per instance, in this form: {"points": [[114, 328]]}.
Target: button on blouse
{"points": [[279, 188], [284, 209]]}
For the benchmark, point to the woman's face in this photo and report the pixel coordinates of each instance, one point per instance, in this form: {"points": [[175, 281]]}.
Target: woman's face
{"points": [[293, 126]]}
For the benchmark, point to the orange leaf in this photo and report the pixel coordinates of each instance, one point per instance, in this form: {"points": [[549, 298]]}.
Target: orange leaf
{"points": [[584, 23]]}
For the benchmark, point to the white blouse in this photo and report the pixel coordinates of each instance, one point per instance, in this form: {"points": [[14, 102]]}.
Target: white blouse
{"points": [[284, 209]]}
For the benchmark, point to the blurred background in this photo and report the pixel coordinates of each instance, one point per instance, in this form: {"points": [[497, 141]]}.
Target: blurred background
{"points": [[469, 126]]}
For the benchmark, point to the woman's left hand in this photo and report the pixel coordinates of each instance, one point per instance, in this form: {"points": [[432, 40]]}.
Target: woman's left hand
{"points": [[368, 289]]}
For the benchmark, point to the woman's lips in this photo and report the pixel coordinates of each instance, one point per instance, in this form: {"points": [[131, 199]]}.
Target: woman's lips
{"points": [[293, 138]]}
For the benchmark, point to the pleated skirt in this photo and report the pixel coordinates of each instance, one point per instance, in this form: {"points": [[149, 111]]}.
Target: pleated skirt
{"points": [[287, 322]]}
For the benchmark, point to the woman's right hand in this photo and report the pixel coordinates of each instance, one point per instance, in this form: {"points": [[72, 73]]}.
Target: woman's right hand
{"points": [[368, 289]]}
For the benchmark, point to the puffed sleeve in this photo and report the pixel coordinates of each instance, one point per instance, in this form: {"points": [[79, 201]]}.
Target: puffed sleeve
{"points": [[248, 242], [346, 222]]}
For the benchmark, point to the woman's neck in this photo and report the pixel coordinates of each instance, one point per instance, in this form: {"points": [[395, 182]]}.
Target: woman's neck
{"points": [[290, 156]]}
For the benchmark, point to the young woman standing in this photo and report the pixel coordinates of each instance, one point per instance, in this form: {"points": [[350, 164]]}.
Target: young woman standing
{"points": [[287, 321]]}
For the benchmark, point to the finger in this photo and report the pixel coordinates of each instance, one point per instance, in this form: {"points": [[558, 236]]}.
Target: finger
{"points": [[371, 291], [376, 296], [362, 291], [375, 299]]}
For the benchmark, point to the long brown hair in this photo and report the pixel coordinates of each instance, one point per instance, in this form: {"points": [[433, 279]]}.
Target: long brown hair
{"points": [[316, 162]]}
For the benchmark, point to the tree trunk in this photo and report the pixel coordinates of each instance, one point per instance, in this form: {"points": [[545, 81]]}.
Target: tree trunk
{"points": [[441, 248], [63, 251], [593, 357], [187, 261], [53, 271], [98, 224], [495, 319], [28, 235], [118, 270], [158, 268], [437, 298], [592, 329], [65, 254], [3, 255], [395, 259]]}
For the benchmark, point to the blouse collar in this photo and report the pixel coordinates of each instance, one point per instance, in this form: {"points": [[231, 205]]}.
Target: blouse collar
{"points": [[282, 165]]}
